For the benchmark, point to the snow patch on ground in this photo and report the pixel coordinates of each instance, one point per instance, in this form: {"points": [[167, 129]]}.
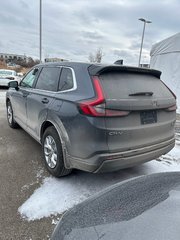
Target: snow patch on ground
{"points": [[55, 196], [173, 155]]}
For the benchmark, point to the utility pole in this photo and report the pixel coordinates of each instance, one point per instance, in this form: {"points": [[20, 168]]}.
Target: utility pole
{"points": [[144, 26], [40, 31]]}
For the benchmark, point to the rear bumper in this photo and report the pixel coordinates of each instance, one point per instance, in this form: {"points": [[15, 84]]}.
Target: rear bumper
{"points": [[109, 162]]}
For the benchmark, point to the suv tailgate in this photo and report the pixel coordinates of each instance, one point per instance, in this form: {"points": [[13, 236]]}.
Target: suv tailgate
{"points": [[133, 91], [147, 99]]}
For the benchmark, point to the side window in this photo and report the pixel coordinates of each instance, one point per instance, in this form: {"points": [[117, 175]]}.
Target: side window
{"points": [[66, 79], [29, 79], [48, 79]]}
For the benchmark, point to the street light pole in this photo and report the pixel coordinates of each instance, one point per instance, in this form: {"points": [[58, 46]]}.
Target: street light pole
{"points": [[144, 26], [40, 30]]}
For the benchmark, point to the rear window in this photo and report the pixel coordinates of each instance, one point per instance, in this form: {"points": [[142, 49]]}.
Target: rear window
{"points": [[4, 73], [122, 85]]}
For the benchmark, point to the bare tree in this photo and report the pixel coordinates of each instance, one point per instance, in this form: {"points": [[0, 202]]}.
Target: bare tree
{"points": [[91, 57], [27, 64], [97, 56]]}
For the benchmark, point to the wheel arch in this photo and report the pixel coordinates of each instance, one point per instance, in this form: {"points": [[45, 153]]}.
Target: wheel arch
{"points": [[62, 136], [44, 126], [7, 100]]}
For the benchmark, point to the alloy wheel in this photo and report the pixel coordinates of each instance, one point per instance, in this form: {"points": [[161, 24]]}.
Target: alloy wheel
{"points": [[50, 151], [9, 113]]}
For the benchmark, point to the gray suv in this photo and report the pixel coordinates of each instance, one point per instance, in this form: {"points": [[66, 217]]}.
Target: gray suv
{"points": [[94, 117]]}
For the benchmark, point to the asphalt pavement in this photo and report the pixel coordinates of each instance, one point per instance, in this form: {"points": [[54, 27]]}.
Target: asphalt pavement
{"points": [[21, 172]]}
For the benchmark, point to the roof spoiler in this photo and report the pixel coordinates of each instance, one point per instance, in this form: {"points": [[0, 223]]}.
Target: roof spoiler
{"points": [[100, 69]]}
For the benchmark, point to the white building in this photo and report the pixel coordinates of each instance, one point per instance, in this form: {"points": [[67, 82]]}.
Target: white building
{"points": [[13, 57]]}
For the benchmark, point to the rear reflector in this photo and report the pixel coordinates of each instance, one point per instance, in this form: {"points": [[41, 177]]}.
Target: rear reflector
{"points": [[95, 107]]}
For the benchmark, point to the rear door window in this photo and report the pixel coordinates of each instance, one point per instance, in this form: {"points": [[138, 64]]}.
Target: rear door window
{"points": [[48, 79], [66, 80]]}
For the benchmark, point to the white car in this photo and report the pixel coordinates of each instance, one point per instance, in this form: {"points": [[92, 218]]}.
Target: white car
{"points": [[6, 76]]}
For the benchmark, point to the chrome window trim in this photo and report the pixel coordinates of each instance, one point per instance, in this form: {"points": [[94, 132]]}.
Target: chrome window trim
{"points": [[68, 90], [37, 90], [74, 81]]}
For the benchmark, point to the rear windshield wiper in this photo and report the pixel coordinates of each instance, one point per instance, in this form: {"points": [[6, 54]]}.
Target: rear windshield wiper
{"points": [[141, 94]]}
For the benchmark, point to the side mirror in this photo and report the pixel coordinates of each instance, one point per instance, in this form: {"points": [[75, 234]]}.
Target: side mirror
{"points": [[35, 71], [13, 84]]}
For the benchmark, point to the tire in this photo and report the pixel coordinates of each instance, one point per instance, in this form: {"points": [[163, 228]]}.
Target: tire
{"points": [[10, 118], [53, 154]]}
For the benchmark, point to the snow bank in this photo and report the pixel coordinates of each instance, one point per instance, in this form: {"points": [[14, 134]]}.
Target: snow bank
{"points": [[57, 195]]}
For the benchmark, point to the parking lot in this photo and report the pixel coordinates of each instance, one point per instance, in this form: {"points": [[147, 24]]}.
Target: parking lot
{"points": [[20, 164], [22, 172]]}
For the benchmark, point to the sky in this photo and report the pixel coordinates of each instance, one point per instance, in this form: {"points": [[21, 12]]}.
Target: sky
{"points": [[72, 29]]}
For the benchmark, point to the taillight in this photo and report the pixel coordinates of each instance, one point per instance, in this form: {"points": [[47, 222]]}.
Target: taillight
{"points": [[172, 108], [169, 89], [95, 107]]}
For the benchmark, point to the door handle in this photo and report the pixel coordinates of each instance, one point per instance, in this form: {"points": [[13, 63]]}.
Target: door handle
{"points": [[45, 100], [25, 94]]}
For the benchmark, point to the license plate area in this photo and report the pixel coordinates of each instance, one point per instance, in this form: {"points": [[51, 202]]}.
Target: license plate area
{"points": [[148, 117]]}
